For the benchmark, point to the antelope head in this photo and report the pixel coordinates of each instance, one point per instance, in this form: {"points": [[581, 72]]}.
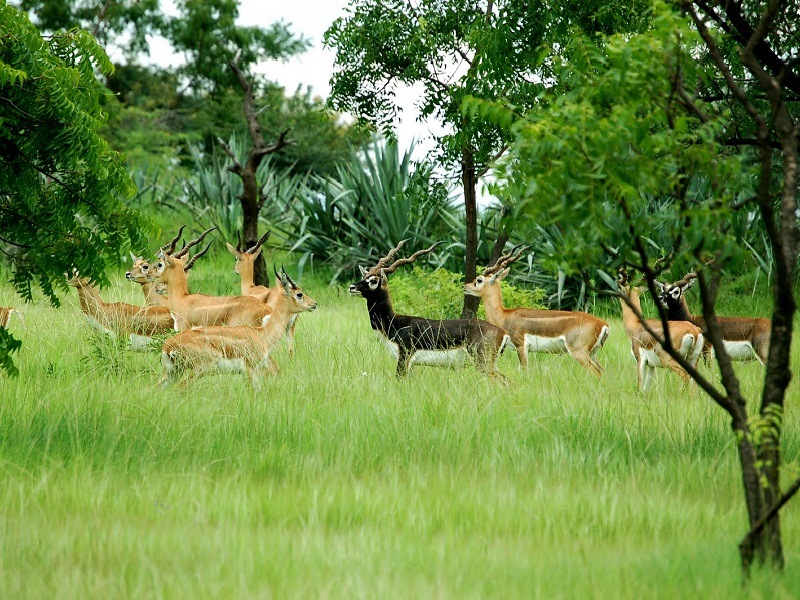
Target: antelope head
{"points": [[672, 292], [139, 271], [374, 278], [495, 273], [167, 257], [250, 254], [299, 301]]}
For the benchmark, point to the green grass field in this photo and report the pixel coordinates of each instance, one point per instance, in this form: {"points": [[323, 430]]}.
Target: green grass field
{"points": [[337, 480]]}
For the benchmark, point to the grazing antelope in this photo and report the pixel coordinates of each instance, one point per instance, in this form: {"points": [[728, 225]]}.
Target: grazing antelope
{"points": [[745, 338], [5, 314], [415, 340], [193, 310], [686, 338], [155, 293], [244, 267], [555, 331], [118, 319], [197, 351]]}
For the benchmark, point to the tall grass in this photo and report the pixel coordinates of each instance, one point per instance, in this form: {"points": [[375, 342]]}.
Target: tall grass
{"points": [[338, 480]]}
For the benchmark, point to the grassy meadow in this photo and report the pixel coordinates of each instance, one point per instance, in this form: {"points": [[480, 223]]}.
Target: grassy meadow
{"points": [[337, 480]]}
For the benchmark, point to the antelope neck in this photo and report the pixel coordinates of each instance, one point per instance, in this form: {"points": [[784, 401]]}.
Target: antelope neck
{"points": [[679, 311], [379, 306]]}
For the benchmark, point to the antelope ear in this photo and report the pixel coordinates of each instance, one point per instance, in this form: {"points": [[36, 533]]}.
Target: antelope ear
{"points": [[500, 275], [689, 284], [383, 277], [134, 258], [660, 286], [232, 250], [363, 271], [256, 253]]}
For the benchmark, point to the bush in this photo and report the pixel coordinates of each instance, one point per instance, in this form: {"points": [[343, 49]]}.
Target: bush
{"points": [[440, 294]]}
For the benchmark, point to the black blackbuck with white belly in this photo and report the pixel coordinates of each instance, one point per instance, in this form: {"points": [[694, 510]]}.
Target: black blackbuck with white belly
{"points": [[744, 338], [416, 340]]}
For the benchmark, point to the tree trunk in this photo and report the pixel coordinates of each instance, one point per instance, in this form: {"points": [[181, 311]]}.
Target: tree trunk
{"points": [[469, 182], [251, 197]]}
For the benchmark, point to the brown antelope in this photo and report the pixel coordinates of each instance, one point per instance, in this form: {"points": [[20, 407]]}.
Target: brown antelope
{"points": [[245, 259], [686, 338], [118, 319], [244, 267], [197, 351], [155, 293], [415, 340], [5, 314], [744, 338], [192, 310], [578, 334]]}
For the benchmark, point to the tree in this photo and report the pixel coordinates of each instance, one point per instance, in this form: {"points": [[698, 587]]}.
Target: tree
{"points": [[454, 49], [62, 189], [701, 110]]}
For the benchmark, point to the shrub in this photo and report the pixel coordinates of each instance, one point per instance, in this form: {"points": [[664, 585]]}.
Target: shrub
{"points": [[439, 294]]}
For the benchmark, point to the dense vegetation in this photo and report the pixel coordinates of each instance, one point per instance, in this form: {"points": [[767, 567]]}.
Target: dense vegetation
{"points": [[657, 136]]}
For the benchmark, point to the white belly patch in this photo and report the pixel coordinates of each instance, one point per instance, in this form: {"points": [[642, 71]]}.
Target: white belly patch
{"points": [[230, 365], [139, 342], [741, 351], [537, 343], [431, 358]]}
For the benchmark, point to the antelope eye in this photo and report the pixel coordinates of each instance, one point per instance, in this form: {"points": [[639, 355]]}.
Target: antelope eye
{"points": [[479, 280], [145, 267], [299, 295]]}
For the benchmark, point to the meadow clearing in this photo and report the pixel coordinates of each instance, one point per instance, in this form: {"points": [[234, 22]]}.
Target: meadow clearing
{"points": [[338, 480]]}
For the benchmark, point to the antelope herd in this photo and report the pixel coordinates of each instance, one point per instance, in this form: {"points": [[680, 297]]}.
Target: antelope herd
{"points": [[241, 332]]}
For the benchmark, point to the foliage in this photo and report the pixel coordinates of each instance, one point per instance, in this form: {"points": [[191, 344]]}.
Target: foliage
{"points": [[205, 31], [124, 23], [61, 187], [210, 193], [8, 345], [667, 136], [438, 294], [374, 202]]}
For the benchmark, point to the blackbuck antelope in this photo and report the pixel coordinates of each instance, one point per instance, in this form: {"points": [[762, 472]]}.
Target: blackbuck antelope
{"points": [[193, 310], [5, 314], [244, 267], [686, 339], [118, 319], [578, 334], [415, 340], [197, 351], [245, 259], [155, 293], [744, 338]]}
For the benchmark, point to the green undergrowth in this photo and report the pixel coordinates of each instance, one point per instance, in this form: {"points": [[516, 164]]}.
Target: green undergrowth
{"points": [[338, 480]]}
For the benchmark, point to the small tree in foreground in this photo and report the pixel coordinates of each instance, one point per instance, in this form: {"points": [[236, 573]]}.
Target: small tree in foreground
{"points": [[61, 188], [702, 109]]}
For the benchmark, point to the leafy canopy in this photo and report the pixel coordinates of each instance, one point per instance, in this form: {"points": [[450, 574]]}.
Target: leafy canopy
{"points": [[608, 143], [62, 189]]}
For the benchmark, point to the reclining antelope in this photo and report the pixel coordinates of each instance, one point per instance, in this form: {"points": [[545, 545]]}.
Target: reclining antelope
{"points": [[686, 338], [155, 293], [744, 338], [578, 334], [192, 310], [199, 350], [416, 340], [244, 267], [119, 319]]}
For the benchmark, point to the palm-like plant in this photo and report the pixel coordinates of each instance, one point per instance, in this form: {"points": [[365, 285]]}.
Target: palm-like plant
{"points": [[379, 198]]}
